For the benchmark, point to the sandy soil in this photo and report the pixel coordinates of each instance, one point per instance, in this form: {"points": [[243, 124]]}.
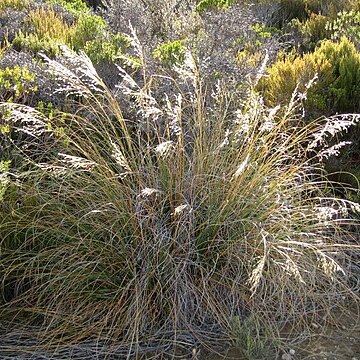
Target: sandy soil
{"points": [[341, 342]]}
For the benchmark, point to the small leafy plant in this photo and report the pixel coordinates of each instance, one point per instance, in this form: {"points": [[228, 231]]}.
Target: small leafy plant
{"points": [[16, 83], [204, 5], [346, 24], [74, 6], [171, 53]]}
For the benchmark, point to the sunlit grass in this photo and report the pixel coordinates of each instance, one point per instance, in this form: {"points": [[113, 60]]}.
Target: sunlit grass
{"points": [[179, 227]]}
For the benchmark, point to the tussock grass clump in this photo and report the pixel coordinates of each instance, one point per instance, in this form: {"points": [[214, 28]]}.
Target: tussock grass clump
{"points": [[191, 223]]}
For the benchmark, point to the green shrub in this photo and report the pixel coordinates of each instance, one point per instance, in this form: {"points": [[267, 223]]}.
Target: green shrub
{"points": [[45, 23], [74, 6], [171, 53], [301, 10], [89, 33], [204, 5], [16, 83], [295, 70], [88, 28], [35, 44], [338, 85], [45, 30], [344, 89], [293, 9], [103, 51], [14, 4], [313, 29], [347, 23]]}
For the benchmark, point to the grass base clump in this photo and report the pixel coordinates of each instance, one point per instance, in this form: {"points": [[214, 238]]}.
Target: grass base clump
{"points": [[185, 225]]}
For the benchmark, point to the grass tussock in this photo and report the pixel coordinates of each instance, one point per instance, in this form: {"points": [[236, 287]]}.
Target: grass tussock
{"points": [[205, 218]]}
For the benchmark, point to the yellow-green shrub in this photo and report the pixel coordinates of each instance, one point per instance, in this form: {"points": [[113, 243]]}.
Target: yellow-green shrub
{"points": [[347, 23], [171, 53], [338, 86], [47, 23], [34, 44], [16, 83], [302, 9], [74, 6], [4, 178], [203, 5], [14, 4], [344, 90], [294, 70], [106, 48], [88, 27], [313, 29], [89, 33], [49, 30]]}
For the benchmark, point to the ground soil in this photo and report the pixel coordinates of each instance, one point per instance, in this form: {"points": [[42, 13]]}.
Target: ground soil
{"points": [[336, 342]]}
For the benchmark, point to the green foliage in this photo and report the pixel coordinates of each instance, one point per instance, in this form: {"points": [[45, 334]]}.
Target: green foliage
{"points": [[171, 53], [344, 89], [4, 178], [204, 5], [347, 23], [88, 28], [338, 85], [247, 338], [35, 43], [301, 10], [262, 31], [106, 50], [47, 109], [293, 9], [258, 34], [56, 120], [291, 70], [46, 31], [313, 29], [46, 24], [16, 83], [76, 7], [14, 4], [90, 33]]}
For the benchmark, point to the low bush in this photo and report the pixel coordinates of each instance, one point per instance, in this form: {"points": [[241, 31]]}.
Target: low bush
{"points": [[45, 22], [34, 44], [347, 23], [293, 71], [46, 29], [301, 10], [171, 53], [16, 84], [338, 68], [204, 5], [313, 30], [14, 4], [88, 27], [183, 225], [74, 6]]}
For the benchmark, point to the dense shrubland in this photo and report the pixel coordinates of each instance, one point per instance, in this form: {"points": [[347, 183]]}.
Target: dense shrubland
{"points": [[165, 180]]}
